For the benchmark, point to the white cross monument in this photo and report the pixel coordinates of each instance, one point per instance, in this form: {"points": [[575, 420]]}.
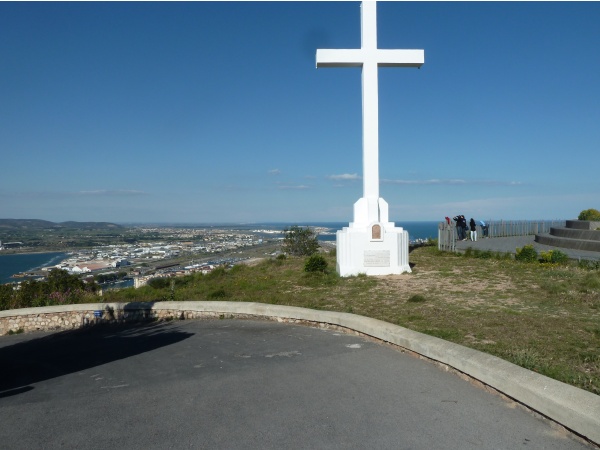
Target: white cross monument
{"points": [[371, 244]]}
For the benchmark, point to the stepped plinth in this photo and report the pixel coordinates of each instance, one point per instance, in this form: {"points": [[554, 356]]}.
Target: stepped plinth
{"points": [[577, 234]]}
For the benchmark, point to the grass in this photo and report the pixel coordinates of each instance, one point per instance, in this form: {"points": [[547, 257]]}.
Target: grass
{"points": [[542, 317]]}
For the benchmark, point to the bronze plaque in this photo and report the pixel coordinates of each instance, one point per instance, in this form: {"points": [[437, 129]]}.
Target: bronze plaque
{"points": [[376, 232]]}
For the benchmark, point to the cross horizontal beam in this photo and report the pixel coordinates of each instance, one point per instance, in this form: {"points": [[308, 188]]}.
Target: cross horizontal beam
{"points": [[359, 57]]}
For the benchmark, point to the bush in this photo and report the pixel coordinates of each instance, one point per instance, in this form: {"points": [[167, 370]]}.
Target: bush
{"points": [[159, 283], [485, 254], [217, 293], [300, 241], [546, 257], [526, 254], [589, 264], [316, 263], [554, 257], [217, 272], [417, 298], [589, 214]]}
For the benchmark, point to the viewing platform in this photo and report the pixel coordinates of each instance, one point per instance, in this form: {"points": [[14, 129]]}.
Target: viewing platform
{"points": [[577, 234], [579, 240]]}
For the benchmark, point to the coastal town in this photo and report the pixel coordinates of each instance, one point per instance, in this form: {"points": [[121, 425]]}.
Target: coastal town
{"points": [[120, 256], [163, 251]]}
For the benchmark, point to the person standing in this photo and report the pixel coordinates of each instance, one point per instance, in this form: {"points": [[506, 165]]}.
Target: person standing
{"points": [[473, 232], [464, 226], [460, 231], [484, 228]]}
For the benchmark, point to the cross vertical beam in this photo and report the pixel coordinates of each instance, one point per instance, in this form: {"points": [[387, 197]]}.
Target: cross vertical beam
{"points": [[370, 58]]}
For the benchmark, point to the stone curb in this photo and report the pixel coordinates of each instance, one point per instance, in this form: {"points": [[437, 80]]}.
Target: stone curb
{"points": [[574, 408]]}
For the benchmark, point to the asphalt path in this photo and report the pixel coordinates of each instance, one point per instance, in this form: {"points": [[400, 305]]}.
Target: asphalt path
{"points": [[240, 384], [510, 244]]}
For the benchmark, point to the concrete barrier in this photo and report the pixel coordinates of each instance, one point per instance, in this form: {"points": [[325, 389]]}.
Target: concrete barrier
{"points": [[575, 409]]}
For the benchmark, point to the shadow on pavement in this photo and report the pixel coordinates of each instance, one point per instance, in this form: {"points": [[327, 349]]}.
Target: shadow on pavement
{"points": [[31, 361]]}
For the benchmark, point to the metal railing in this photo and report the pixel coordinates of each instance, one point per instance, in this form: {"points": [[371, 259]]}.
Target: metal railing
{"points": [[447, 234]]}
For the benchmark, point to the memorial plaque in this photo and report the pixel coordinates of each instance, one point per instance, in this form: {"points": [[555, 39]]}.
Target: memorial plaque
{"points": [[377, 258], [376, 232]]}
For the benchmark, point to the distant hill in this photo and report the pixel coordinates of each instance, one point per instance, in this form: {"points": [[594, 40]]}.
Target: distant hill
{"points": [[32, 224], [90, 225]]}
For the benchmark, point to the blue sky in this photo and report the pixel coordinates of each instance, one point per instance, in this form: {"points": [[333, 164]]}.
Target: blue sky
{"points": [[215, 112]]}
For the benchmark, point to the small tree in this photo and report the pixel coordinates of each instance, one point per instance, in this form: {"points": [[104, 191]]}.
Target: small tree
{"points": [[300, 241], [589, 214]]}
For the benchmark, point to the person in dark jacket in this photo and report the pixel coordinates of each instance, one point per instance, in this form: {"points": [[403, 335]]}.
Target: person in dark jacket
{"points": [[473, 232], [461, 227]]}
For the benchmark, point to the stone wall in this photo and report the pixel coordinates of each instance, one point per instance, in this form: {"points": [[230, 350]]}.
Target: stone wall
{"points": [[59, 318]]}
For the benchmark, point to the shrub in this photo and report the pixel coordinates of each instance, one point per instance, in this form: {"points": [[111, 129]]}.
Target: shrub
{"points": [[159, 283], [300, 241], [417, 298], [217, 272], [546, 257], [554, 257], [589, 214], [589, 264], [559, 257], [526, 254], [217, 293], [316, 263], [485, 254]]}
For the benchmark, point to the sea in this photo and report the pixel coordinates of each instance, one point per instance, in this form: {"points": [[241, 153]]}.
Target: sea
{"points": [[416, 229], [25, 262]]}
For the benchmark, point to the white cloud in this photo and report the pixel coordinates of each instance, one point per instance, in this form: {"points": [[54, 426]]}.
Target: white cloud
{"points": [[345, 177], [452, 182], [73, 194], [112, 193], [274, 172], [291, 187]]}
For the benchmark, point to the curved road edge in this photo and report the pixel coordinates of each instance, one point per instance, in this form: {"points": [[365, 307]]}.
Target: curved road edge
{"points": [[571, 407]]}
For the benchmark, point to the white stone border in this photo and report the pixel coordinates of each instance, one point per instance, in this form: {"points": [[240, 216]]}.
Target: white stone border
{"points": [[574, 408]]}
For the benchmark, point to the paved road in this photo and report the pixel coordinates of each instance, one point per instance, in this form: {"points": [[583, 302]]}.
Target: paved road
{"points": [[233, 384]]}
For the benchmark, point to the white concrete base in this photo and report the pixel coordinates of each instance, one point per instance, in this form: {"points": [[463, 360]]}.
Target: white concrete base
{"points": [[376, 249]]}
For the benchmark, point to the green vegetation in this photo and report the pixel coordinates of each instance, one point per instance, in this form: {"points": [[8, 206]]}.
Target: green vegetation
{"points": [[61, 288], [108, 277], [526, 254], [589, 214], [554, 257], [544, 317], [316, 263], [471, 252], [300, 241], [417, 298]]}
